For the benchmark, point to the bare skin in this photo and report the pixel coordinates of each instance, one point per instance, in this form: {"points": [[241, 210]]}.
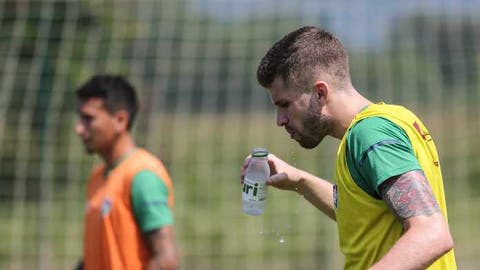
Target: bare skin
{"points": [[329, 112], [409, 195], [164, 253], [107, 135], [319, 192], [103, 132], [427, 236]]}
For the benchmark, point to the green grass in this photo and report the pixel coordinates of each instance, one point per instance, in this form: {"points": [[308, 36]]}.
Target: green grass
{"points": [[204, 154]]}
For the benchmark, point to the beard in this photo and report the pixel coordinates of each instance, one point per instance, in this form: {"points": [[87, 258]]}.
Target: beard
{"points": [[316, 126]]}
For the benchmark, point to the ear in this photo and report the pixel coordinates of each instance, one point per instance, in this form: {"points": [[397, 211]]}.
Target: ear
{"points": [[121, 121], [321, 90]]}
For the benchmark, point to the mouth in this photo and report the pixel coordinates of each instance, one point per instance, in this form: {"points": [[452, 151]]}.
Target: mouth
{"points": [[85, 140]]}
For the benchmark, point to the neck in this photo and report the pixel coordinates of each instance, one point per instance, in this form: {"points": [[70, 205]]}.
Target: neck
{"points": [[123, 145], [345, 105]]}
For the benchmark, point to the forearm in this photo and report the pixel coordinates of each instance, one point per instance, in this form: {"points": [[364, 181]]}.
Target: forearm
{"points": [[163, 250], [420, 246], [159, 262], [427, 236], [79, 266], [318, 192]]}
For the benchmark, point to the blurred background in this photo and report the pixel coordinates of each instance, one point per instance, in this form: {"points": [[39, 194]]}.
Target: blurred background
{"points": [[193, 63]]}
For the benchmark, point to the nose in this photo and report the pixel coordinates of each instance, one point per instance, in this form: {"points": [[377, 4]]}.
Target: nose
{"points": [[282, 118], [79, 128]]}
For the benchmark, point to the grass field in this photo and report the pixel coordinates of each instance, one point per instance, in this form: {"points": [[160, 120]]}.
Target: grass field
{"points": [[204, 154]]}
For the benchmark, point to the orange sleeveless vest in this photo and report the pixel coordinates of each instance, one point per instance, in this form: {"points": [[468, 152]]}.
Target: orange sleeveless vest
{"points": [[112, 239]]}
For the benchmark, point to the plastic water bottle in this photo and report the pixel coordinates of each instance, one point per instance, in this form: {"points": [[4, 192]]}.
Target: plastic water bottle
{"points": [[254, 192]]}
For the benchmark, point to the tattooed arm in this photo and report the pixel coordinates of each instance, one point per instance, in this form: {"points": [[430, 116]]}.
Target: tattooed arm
{"points": [[426, 234]]}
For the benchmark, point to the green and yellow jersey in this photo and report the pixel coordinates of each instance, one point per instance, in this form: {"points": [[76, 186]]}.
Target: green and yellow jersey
{"points": [[381, 142]]}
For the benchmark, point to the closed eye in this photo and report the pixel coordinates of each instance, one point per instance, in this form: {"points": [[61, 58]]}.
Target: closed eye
{"points": [[282, 104], [86, 118]]}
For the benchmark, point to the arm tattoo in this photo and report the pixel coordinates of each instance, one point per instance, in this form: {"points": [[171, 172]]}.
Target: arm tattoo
{"points": [[409, 195]]}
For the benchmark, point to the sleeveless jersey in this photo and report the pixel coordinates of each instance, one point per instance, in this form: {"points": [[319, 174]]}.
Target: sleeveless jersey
{"points": [[367, 229], [112, 238]]}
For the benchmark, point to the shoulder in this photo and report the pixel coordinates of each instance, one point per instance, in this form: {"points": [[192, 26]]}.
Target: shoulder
{"points": [[374, 124], [147, 180], [146, 159], [143, 160], [373, 130], [146, 175]]}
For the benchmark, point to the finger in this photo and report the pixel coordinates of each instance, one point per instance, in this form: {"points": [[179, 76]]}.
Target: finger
{"points": [[246, 162], [242, 174], [244, 168], [272, 163], [276, 179]]}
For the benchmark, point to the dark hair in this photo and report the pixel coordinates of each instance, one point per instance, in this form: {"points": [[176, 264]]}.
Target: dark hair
{"points": [[115, 91], [301, 54]]}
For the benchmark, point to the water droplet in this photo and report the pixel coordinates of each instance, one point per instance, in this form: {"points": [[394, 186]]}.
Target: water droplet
{"points": [[294, 159]]}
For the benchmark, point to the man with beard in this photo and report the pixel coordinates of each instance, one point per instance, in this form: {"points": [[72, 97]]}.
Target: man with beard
{"points": [[387, 197], [128, 218]]}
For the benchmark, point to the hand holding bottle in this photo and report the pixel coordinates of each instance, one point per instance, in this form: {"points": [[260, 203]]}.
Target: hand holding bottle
{"points": [[283, 175]]}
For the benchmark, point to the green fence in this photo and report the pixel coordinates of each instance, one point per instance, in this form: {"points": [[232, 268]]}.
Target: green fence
{"points": [[193, 63]]}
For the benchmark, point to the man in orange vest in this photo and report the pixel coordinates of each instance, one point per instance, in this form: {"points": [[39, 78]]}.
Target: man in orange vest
{"points": [[128, 217], [387, 196]]}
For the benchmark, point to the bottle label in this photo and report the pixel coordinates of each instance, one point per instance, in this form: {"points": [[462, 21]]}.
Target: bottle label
{"points": [[254, 191]]}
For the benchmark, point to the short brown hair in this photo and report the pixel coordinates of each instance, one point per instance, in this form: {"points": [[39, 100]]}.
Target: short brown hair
{"points": [[299, 55]]}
